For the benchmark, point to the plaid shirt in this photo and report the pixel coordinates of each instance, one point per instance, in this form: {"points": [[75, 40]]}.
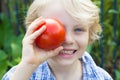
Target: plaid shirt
{"points": [[90, 71]]}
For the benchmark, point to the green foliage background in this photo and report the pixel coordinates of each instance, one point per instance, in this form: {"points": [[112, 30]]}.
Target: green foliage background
{"points": [[10, 40]]}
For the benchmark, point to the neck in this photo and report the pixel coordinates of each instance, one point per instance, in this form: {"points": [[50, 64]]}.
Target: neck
{"points": [[66, 71]]}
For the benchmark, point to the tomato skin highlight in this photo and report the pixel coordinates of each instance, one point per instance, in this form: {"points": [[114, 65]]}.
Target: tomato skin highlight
{"points": [[53, 36]]}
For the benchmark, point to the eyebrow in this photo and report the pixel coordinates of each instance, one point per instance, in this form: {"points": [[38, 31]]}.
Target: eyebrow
{"points": [[81, 26]]}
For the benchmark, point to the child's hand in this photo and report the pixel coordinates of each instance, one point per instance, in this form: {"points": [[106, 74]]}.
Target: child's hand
{"points": [[31, 54]]}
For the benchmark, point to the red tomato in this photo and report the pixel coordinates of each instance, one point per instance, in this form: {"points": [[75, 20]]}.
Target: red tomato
{"points": [[53, 36]]}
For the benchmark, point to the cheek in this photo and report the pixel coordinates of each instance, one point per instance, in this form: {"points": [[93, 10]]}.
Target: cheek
{"points": [[82, 43], [82, 40]]}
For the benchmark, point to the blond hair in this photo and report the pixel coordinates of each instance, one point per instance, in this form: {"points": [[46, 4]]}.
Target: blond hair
{"points": [[81, 10]]}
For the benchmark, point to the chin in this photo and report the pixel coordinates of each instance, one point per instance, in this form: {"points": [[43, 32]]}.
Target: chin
{"points": [[65, 62]]}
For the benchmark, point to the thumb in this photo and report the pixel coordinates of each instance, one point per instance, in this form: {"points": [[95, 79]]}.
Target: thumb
{"points": [[55, 51]]}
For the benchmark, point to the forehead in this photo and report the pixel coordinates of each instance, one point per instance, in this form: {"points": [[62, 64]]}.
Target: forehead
{"points": [[56, 10], [51, 8]]}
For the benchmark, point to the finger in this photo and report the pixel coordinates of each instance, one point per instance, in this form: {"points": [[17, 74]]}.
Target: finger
{"points": [[34, 25], [33, 36], [38, 22], [55, 51], [48, 54]]}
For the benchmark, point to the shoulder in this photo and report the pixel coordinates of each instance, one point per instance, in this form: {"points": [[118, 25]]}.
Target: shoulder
{"points": [[9, 73], [87, 59], [91, 70], [41, 72], [103, 73]]}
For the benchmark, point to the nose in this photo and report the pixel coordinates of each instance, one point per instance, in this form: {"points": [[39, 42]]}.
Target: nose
{"points": [[68, 39]]}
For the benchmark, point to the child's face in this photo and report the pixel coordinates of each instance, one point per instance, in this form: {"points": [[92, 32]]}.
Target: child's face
{"points": [[77, 34]]}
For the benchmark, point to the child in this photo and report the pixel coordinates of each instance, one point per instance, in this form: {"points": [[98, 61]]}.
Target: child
{"points": [[70, 61]]}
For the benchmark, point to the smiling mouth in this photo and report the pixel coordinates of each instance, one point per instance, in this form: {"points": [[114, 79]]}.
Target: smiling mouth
{"points": [[68, 52]]}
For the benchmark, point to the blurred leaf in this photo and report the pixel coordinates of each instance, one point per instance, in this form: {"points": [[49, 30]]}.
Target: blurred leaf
{"points": [[3, 68], [16, 50], [112, 11], [117, 75], [89, 47], [3, 55]]}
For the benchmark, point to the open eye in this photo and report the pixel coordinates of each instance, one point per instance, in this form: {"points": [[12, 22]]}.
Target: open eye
{"points": [[77, 30]]}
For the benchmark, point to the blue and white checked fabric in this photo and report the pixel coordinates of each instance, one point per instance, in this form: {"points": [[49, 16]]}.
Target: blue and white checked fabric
{"points": [[90, 71]]}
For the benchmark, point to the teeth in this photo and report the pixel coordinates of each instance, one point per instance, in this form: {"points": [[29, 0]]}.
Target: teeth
{"points": [[67, 52]]}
